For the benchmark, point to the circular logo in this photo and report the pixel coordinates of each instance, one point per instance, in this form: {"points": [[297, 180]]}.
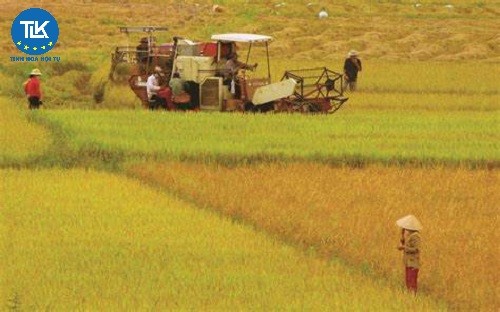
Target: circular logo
{"points": [[34, 31]]}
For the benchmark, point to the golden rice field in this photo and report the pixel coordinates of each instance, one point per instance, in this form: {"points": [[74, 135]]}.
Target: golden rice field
{"points": [[350, 213], [84, 240], [157, 233], [19, 140]]}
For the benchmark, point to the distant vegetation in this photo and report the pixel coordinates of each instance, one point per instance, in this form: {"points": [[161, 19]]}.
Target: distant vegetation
{"points": [[388, 34]]}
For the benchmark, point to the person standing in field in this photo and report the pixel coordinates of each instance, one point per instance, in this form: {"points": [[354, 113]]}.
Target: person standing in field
{"points": [[410, 245], [33, 90], [352, 65]]}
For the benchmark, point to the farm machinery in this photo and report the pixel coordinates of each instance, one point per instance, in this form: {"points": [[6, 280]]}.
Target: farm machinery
{"points": [[203, 68]]}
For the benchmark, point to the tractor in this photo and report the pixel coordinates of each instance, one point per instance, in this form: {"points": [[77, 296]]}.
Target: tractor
{"points": [[203, 68]]}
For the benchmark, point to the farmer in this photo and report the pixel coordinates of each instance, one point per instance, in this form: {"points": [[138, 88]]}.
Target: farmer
{"points": [[232, 68], [152, 89], [177, 84], [142, 54], [352, 65], [180, 97], [32, 89], [410, 245]]}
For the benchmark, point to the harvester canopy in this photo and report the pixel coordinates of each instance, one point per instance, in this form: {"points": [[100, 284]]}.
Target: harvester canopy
{"points": [[236, 37]]}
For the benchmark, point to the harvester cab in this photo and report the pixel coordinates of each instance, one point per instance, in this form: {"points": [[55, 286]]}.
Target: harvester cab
{"points": [[243, 83], [242, 90]]}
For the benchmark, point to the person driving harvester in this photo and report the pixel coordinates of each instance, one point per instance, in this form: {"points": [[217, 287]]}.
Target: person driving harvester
{"points": [[232, 68]]}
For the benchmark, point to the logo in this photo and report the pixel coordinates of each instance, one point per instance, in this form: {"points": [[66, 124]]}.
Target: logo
{"points": [[34, 31]]}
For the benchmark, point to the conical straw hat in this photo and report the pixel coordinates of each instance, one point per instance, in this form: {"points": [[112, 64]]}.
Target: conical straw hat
{"points": [[352, 53], [36, 72], [409, 223]]}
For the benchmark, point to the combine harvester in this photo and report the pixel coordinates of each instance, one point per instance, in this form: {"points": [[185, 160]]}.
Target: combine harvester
{"points": [[202, 67]]}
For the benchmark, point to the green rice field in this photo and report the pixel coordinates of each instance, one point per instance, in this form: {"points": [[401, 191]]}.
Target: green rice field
{"points": [[471, 138]]}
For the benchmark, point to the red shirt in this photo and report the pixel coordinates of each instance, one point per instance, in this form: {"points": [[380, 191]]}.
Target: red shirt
{"points": [[32, 87]]}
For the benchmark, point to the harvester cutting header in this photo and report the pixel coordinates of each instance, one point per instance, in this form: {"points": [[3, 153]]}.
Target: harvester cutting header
{"points": [[212, 76]]}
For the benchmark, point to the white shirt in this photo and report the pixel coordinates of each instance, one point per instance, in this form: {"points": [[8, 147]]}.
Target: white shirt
{"points": [[152, 86]]}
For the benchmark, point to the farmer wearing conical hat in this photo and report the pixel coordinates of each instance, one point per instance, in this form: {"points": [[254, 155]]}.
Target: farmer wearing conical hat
{"points": [[352, 65], [410, 245], [32, 89]]}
